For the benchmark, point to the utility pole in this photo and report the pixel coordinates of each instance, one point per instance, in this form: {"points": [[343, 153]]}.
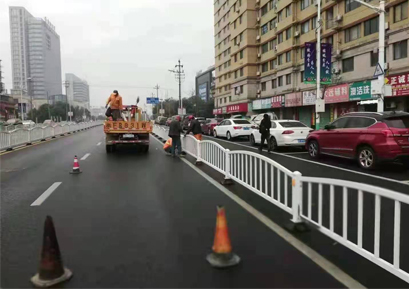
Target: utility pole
{"points": [[381, 49], [30, 93], [157, 93], [180, 76], [67, 84], [318, 64]]}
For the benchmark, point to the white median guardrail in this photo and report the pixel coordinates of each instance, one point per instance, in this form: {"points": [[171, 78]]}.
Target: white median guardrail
{"points": [[294, 193], [21, 136]]}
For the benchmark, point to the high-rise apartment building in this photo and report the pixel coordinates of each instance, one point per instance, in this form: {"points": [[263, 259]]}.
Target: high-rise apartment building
{"points": [[260, 50], [35, 52], [77, 91]]}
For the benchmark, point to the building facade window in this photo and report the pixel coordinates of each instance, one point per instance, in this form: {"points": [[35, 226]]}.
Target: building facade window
{"points": [[288, 79], [264, 67], [288, 11], [274, 83], [273, 23], [304, 4], [280, 16], [280, 59], [264, 10], [400, 50], [305, 27], [348, 64], [264, 48], [241, 54], [241, 71], [371, 26], [280, 81], [351, 5], [314, 22], [288, 56], [302, 77], [353, 33], [288, 33], [264, 29], [263, 86], [273, 63], [374, 58], [400, 12], [280, 37]]}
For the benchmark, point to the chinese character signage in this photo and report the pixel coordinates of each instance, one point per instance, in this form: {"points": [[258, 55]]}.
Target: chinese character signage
{"points": [[309, 97], [335, 94], [360, 90], [400, 84], [326, 73], [217, 111], [293, 99], [203, 91], [152, 100], [241, 107], [309, 63], [277, 101], [257, 104]]}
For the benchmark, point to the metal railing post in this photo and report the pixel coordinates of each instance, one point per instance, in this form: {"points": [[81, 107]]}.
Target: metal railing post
{"points": [[227, 179], [296, 198], [199, 152]]}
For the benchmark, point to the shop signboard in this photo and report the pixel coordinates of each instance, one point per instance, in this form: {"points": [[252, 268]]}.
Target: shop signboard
{"points": [[293, 99], [400, 84], [241, 107], [360, 90], [309, 63], [326, 71], [224, 110], [217, 111], [278, 101], [257, 104], [309, 97], [203, 91], [335, 94]]}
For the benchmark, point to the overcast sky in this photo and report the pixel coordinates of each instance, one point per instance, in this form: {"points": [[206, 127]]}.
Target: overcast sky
{"points": [[127, 45]]}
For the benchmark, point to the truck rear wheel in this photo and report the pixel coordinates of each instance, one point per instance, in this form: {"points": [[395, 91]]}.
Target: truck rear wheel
{"points": [[108, 149], [145, 149]]}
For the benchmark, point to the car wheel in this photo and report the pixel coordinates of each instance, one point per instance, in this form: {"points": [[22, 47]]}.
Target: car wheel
{"points": [[228, 136], [273, 144], [215, 134], [209, 132], [367, 158], [252, 140], [314, 149]]}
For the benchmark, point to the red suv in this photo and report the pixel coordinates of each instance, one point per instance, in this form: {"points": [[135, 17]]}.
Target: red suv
{"points": [[368, 137]]}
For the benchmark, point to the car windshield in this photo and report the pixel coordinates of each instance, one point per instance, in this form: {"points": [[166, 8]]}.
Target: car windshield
{"points": [[399, 122], [292, 124], [241, 121]]}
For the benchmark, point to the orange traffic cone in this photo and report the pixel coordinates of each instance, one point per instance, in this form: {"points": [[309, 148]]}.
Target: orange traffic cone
{"points": [[222, 255], [51, 269], [76, 167]]}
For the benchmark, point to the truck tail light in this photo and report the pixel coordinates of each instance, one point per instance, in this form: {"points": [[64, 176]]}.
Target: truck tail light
{"points": [[237, 127], [288, 132]]}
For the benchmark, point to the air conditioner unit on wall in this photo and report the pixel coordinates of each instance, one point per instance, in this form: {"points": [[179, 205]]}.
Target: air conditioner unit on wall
{"points": [[259, 55], [258, 37], [258, 19], [297, 33], [336, 71], [276, 47], [258, 73], [386, 25], [276, 25], [258, 91], [338, 18]]}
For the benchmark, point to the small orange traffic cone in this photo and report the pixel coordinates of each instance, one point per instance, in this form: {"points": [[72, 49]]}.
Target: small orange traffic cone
{"points": [[76, 167], [51, 269], [222, 255]]}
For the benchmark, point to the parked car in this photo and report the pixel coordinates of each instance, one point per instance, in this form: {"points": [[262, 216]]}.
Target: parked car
{"points": [[48, 122], [168, 121], [283, 133], [161, 120], [14, 121], [28, 123], [209, 124], [368, 137], [256, 119], [231, 128]]}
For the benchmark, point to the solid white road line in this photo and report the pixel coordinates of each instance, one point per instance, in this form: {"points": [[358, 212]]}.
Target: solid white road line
{"points": [[295, 153], [46, 194], [85, 157], [321, 164], [98, 144], [326, 265]]}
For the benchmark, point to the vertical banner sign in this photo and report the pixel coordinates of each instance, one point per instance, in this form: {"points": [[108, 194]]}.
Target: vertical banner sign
{"points": [[326, 52], [309, 63]]}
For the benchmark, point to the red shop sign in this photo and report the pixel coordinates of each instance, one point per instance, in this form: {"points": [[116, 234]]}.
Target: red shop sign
{"points": [[241, 107], [277, 101], [293, 99], [400, 84], [338, 93]]}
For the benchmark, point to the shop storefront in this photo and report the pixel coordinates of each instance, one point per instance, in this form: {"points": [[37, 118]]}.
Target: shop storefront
{"points": [[360, 94], [277, 105], [234, 109], [307, 110], [261, 105], [292, 103], [400, 93], [337, 103]]}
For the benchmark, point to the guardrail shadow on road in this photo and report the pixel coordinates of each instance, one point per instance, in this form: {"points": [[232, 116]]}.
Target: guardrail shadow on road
{"points": [[334, 207]]}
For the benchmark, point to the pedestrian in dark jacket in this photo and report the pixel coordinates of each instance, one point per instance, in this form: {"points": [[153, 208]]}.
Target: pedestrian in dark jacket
{"points": [[175, 129], [195, 128], [264, 130]]}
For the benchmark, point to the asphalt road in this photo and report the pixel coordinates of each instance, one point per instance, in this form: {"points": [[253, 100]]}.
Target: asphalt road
{"points": [[133, 220], [358, 267]]}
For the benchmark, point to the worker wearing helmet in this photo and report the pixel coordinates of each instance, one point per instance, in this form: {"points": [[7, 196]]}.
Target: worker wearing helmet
{"points": [[115, 102], [175, 129], [195, 128]]}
